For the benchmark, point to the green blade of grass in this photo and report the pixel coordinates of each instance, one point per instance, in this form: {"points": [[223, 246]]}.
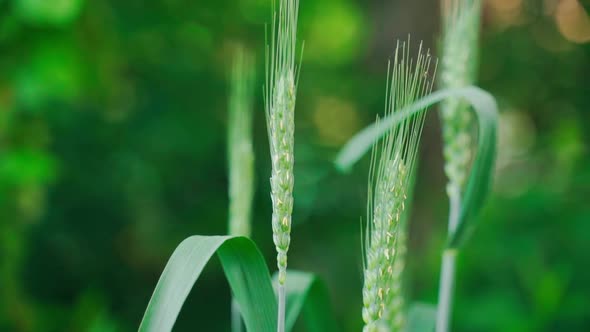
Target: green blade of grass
{"points": [[421, 317], [307, 294], [245, 270], [478, 185]]}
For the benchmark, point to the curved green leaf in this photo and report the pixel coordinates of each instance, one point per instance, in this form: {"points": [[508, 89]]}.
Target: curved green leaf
{"points": [[421, 318], [307, 294], [479, 181], [245, 270]]}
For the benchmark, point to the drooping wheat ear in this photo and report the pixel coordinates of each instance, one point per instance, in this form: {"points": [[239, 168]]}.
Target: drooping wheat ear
{"points": [[240, 154], [280, 91], [392, 164], [461, 20]]}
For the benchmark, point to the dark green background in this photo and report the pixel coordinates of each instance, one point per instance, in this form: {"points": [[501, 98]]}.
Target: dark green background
{"points": [[112, 150]]}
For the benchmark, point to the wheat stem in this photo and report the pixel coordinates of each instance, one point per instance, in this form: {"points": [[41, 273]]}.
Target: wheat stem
{"points": [[445, 295], [282, 307], [447, 275]]}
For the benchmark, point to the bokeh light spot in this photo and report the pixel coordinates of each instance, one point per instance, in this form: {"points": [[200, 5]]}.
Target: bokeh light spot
{"points": [[506, 12], [573, 21], [336, 120], [516, 137], [334, 33], [54, 12]]}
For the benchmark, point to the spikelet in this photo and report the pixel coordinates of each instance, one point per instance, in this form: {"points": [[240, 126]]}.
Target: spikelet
{"points": [[461, 20], [392, 164], [280, 92], [395, 307], [240, 154]]}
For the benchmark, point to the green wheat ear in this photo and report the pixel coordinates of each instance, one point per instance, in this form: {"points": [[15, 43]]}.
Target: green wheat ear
{"points": [[392, 165], [461, 20], [279, 94], [240, 154]]}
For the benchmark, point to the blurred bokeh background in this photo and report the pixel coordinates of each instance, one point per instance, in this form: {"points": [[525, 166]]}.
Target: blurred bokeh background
{"points": [[112, 150]]}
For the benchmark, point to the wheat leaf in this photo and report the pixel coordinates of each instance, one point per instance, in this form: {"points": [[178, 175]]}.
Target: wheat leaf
{"points": [[244, 269], [478, 185]]}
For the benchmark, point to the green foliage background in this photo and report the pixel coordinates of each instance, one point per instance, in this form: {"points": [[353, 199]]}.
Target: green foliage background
{"points": [[112, 150]]}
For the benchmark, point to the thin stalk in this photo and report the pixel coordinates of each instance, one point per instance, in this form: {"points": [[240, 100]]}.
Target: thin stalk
{"points": [[447, 274], [282, 303], [445, 295]]}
